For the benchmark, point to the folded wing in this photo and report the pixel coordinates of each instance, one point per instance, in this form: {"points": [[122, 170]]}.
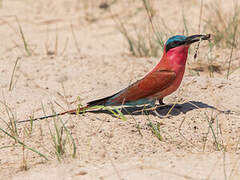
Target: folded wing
{"points": [[151, 84]]}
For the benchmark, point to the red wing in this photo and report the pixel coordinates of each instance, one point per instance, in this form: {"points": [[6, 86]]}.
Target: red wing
{"points": [[149, 85]]}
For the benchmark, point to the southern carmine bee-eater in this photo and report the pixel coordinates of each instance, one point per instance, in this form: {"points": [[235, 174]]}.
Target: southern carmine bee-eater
{"points": [[164, 79]]}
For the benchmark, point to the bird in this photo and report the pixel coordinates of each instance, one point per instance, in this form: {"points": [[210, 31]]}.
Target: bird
{"points": [[163, 80]]}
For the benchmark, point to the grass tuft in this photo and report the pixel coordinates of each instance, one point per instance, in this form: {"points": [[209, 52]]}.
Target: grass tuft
{"points": [[155, 128], [11, 125], [62, 137], [22, 144], [223, 25], [143, 41]]}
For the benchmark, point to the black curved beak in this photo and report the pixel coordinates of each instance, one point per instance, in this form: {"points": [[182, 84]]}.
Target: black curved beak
{"points": [[195, 38]]}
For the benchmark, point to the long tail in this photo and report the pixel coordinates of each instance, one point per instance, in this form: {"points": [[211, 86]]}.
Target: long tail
{"points": [[73, 111]]}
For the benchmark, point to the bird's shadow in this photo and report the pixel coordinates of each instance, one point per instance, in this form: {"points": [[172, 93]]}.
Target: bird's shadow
{"points": [[162, 110]]}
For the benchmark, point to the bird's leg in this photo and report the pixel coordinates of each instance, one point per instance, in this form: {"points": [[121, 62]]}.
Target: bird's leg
{"points": [[176, 106], [161, 102], [154, 109]]}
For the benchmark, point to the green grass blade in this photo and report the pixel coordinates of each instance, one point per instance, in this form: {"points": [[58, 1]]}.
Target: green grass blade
{"points": [[25, 146]]}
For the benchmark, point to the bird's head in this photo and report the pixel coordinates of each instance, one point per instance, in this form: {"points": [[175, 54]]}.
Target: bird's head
{"points": [[176, 47]]}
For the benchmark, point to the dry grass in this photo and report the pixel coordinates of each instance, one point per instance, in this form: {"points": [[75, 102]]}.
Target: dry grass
{"points": [[144, 40], [147, 39], [223, 25], [225, 29]]}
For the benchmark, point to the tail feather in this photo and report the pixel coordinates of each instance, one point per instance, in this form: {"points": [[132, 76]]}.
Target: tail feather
{"points": [[97, 102], [73, 111]]}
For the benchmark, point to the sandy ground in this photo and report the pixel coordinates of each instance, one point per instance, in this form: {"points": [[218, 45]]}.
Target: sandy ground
{"points": [[198, 141]]}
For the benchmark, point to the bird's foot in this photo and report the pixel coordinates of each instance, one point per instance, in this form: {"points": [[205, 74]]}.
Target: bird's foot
{"points": [[161, 102]]}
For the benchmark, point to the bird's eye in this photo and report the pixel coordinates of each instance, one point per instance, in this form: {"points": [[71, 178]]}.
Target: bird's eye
{"points": [[175, 43]]}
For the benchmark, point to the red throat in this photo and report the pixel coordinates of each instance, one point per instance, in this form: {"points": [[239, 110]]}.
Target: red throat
{"points": [[178, 56]]}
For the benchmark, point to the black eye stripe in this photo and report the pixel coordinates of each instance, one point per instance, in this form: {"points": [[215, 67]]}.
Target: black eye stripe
{"points": [[173, 45]]}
